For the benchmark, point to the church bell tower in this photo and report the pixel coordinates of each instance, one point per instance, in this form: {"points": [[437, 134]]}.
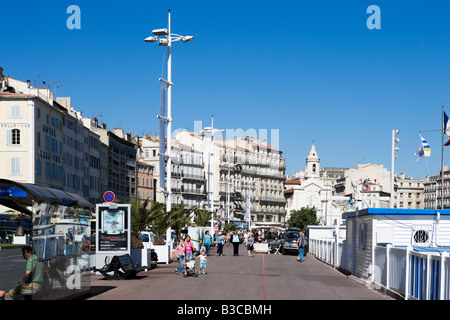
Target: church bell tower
{"points": [[312, 164]]}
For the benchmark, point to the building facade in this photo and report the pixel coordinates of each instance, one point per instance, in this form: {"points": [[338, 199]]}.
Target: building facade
{"points": [[47, 143], [144, 181]]}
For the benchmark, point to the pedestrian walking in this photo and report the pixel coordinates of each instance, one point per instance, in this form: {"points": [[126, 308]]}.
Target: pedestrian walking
{"points": [[207, 241], [250, 242], [180, 256], [203, 260], [236, 241], [220, 243], [188, 248], [301, 246]]}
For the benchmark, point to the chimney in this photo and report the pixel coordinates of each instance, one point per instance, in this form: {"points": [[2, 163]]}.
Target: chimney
{"points": [[95, 120], [118, 131], [103, 125]]}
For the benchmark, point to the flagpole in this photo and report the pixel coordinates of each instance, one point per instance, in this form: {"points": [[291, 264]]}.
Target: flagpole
{"points": [[442, 162]]}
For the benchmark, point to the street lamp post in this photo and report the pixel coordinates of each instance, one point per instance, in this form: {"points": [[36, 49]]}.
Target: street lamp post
{"points": [[229, 165], [393, 157], [212, 131], [166, 38]]}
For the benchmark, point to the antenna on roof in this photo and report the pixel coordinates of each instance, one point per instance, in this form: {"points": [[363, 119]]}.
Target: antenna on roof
{"points": [[57, 86]]}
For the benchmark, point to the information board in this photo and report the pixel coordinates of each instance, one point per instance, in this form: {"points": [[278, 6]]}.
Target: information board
{"points": [[113, 231]]}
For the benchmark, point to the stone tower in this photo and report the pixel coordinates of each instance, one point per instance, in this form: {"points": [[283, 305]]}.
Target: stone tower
{"points": [[312, 170]]}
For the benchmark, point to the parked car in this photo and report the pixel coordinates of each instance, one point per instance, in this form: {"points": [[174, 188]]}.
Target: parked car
{"points": [[289, 243], [275, 240]]}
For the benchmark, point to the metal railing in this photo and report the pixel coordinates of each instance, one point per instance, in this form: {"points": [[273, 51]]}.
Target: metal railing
{"points": [[413, 274]]}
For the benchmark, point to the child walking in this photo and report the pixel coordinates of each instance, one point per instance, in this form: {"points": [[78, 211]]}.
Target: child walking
{"points": [[203, 261]]}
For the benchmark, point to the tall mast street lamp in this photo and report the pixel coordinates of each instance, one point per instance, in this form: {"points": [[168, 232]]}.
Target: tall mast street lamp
{"points": [[164, 37]]}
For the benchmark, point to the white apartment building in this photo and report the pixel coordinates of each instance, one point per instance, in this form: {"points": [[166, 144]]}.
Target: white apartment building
{"points": [[238, 169], [434, 194], [31, 127], [47, 143], [409, 192], [187, 174], [219, 174], [371, 181]]}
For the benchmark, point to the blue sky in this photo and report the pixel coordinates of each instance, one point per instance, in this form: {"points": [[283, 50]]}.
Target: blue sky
{"points": [[311, 69]]}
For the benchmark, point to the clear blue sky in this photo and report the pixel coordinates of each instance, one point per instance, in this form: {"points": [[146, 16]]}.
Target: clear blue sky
{"points": [[311, 69]]}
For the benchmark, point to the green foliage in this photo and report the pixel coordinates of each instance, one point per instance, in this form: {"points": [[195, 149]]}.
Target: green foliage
{"points": [[202, 217], [140, 215], [303, 217], [229, 227], [181, 218]]}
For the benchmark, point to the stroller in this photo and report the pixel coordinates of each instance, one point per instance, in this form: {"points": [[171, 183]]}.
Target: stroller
{"points": [[189, 268]]}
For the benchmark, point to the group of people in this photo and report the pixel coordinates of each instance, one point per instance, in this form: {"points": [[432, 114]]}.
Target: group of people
{"points": [[235, 238], [186, 249], [185, 252]]}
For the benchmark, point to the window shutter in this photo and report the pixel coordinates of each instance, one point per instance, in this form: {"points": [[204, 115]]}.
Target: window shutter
{"points": [[15, 165], [8, 137]]}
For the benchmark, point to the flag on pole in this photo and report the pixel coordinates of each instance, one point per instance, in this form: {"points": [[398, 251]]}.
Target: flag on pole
{"points": [[424, 150], [446, 128]]}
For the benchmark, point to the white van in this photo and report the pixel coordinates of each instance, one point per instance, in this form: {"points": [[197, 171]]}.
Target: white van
{"points": [[147, 238]]}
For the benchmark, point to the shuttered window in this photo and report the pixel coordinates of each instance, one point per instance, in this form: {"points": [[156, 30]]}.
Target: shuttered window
{"points": [[13, 137], [14, 111], [15, 165]]}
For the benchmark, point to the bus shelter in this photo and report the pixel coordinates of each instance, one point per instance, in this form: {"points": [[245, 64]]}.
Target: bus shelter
{"points": [[60, 237]]}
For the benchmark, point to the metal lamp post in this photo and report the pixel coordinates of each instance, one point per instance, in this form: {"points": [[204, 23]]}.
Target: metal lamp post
{"points": [[393, 157], [166, 38], [212, 131]]}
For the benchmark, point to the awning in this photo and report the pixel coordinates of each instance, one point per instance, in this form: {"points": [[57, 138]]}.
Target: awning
{"points": [[18, 196]]}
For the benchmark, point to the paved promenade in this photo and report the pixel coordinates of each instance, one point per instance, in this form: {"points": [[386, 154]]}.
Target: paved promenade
{"points": [[263, 277]]}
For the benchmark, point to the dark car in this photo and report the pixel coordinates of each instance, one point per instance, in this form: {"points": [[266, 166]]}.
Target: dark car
{"points": [[289, 243], [275, 241]]}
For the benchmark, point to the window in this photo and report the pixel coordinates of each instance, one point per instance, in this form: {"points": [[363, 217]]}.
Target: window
{"points": [[14, 111], [13, 137], [15, 165]]}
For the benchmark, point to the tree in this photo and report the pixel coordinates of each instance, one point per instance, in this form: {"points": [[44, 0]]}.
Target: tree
{"points": [[229, 227], [303, 217], [181, 217], [140, 218], [202, 217]]}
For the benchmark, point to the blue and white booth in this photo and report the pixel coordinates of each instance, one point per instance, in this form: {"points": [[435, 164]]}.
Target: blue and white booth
{"points": [[371, 228]]}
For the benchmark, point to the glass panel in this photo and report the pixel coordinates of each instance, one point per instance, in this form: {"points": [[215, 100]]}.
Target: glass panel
{"points": [[61, 246]]}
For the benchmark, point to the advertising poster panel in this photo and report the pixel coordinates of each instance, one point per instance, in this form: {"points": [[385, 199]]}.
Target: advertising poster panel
{"points": [[113, 228]]}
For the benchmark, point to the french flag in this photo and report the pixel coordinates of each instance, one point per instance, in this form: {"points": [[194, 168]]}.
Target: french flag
{"points": [[446, 129]]}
